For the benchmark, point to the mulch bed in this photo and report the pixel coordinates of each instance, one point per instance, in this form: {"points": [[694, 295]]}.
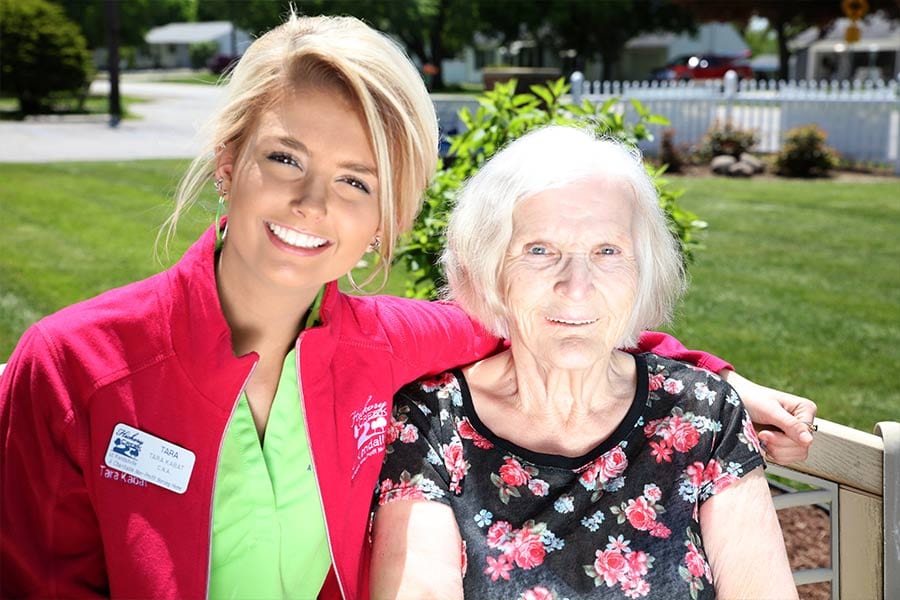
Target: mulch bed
{"points": [[807, 537]]}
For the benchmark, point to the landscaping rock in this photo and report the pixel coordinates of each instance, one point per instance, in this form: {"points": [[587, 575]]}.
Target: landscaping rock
{"points": [[720, 164], [758, 165], [741, 169]]}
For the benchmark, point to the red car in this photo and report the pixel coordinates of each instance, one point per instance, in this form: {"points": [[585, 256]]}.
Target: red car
{"points": [[703, 66]]}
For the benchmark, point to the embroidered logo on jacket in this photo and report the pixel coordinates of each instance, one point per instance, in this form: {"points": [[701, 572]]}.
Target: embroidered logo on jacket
{"points": [[369, 425]]}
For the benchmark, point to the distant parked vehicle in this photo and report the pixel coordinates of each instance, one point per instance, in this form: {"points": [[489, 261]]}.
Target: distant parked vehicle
{"points": [[703, 66]]}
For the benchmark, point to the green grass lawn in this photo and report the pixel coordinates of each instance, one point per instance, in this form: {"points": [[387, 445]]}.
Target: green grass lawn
{"points": [[799, 287], [799, 284]]}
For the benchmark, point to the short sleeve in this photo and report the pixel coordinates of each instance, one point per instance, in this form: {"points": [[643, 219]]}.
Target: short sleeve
{"points": [[735, 447], [424, 456]]}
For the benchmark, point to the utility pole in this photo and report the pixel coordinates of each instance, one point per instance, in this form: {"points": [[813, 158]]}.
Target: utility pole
{"points": [[113, 34]]}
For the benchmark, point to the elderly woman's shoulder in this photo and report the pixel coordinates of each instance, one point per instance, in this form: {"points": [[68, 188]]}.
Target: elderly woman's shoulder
{"points": [[678, 377]]}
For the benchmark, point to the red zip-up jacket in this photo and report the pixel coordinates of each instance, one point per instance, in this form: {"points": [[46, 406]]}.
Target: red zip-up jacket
{"points": [[156, 355]]}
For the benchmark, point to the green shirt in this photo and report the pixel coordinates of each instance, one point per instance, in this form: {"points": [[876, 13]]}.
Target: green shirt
{"points": [[269, 538]]}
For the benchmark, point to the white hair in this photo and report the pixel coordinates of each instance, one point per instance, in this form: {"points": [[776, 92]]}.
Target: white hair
{"points": [[481, 225]]}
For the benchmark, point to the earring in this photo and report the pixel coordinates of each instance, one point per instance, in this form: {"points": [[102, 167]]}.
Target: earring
{"points": [[376, 244], [220, 210]]}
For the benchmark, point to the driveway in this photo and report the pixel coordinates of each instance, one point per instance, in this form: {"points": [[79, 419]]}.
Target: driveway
{"points": [[167, 128]]}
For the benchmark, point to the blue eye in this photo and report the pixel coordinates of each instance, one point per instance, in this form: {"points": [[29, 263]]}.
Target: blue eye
{"points": [[607, 251], [537, 250], [284, 159]]}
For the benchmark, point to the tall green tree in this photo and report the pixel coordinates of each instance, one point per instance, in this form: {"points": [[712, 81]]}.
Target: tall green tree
{"points": [[136, 18], [42, 52]]}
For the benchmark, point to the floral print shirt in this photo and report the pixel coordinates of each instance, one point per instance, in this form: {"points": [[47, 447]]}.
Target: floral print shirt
{"points": [[618, 522]]}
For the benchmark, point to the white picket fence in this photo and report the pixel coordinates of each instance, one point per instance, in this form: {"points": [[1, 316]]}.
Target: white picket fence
{"points": [[861, 118]]}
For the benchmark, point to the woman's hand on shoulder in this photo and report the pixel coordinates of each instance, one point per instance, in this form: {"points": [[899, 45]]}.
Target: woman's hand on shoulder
{"points": [[782, 420]]}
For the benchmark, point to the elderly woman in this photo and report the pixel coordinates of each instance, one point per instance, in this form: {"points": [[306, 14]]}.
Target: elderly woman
{"points": [[566, 467]]}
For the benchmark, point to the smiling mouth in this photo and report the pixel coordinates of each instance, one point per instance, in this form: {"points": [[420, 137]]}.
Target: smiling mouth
{"points": [[295, 238], [571, 322]]}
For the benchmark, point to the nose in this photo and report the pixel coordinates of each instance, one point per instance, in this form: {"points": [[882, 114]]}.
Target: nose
{"points": [[576, 278], [311, 197]]}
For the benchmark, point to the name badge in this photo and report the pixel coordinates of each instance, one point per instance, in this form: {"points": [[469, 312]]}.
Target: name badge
{"points": [[150, 458]]}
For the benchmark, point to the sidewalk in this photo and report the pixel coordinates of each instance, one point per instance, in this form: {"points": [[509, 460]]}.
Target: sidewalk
{"points": [[167, 127]]}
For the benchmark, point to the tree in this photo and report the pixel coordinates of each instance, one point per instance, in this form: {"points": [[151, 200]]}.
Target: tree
{"points": [[137, 17], [42, 52], [786, 17]]}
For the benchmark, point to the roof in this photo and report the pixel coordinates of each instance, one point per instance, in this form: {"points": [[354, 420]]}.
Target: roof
{"points": [[871, 27], [188, 33]]}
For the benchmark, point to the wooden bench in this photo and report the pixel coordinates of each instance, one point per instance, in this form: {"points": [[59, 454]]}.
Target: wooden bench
{"points": [[858, 476]]}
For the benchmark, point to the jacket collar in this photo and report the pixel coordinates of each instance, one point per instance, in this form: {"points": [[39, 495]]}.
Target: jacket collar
{"points": [[201, 336]]}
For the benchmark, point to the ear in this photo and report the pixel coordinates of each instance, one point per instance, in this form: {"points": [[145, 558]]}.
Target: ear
{"points": [[225, 157]]}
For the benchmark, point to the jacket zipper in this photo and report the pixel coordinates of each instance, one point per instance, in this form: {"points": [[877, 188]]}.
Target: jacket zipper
{"points": [[216, 475], [337, 575]]}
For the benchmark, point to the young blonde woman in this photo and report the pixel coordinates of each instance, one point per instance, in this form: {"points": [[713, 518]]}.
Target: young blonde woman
{"points": [[217, 430]]}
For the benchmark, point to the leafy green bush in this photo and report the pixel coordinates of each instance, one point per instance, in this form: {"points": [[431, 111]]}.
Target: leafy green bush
{"points": [[201, 52], [42, 53], [502, 117], [728, 140], [804, 153]]}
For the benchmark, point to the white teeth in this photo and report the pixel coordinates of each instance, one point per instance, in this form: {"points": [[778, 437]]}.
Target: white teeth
{"points": [[567, 322], [295, 238]]}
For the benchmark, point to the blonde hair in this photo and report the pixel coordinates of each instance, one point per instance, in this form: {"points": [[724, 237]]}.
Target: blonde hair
{"points": [[376, 75], [481, 225]]}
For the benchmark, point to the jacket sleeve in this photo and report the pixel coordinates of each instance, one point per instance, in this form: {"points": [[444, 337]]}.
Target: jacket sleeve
{"points": [[431, 337], [50, 545], [666, 345]]}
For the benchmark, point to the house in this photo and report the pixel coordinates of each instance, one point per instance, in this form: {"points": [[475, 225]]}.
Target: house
{"points": [[827, 55], [641, 54], [170, 45]]}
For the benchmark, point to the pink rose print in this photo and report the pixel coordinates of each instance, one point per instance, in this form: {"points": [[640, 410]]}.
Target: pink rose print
{"points": [[409, 434], [684, 435], [637, 563], [456, 464], [612, 566], [640, 514], [513, 474], [656, 381], [659, 530], [466, 431], [713, 471], [527, 549], [393, 431], [538, 592], [748, 435], [613, 464], [498, 567], [673, 386], [652, 492], [695, 474], [539, 487], [604, 468], [432, 384], [405, 489], [618, 564], [695, 564], [498, 534]]}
